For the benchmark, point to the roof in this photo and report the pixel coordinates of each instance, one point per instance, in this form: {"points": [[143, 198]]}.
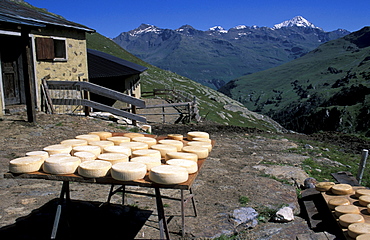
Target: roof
{"points": [[12, 12], [102, 65]]}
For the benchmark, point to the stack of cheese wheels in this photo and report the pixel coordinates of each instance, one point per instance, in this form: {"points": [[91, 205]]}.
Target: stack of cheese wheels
{"points": [[131, 135], [117, 149], [343, 209], [346, 219], [342, 189], [182, 155], [338, 201], [74, 142], [61, 165], [113, 158], [58, 148], [196, 134], [148, 161], [89, 148], [85, 156], [189, 165], [88, 137], [134, 145], [26, 164], [94, 169], [324, 186], [128, 171], [365, 236], [178, 144], [102, 144], [364, 200], [362, 191], [146, 153], [164, 148], [201, 152], [43, 154], [118, 139], [202, 140], [175, 136], [148, 140], [102, 135], [167, 174], [356, 229], [201, 144]]}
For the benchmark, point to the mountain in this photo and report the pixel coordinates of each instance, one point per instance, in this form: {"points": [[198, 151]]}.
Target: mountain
{"points": [[328, 89], [216, 56]]}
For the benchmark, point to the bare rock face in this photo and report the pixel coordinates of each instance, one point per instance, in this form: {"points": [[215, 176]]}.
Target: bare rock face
{"points": [[284, 215], [246, 216]]}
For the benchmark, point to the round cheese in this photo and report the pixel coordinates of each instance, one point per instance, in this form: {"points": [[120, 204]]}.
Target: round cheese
{"points": [[166, 174], [343, 209], [146, 153], [346, 219], [202, 140], [175, 136], [338, 201], [61, 165], [128, 171], [134, 145], [189, 165], [164, 148], [26, 164], [60, 154], [196, 134], [102, 135], [148, 161], [131, 135], [118, 139], [324, 186], [176, 143], [57, 148], [102, 144], [88, 137], [365, 236], [117, 149], [357, 229], [362, 191], [148, 140], [94, 168], [364, 200], [200, 144], [74, 142], [43, 154], [201, 152], [89, 148], [342, 189], [85, 156], [182, 155], [113, 158]]}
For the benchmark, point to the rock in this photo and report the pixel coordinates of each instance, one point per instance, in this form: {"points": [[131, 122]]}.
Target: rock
{"points": [[246, 216], [308, 146], [27, 201], [310, 182], [284, 215]]}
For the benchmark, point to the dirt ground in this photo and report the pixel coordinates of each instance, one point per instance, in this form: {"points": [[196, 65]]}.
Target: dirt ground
{"points": [[234, 168]]}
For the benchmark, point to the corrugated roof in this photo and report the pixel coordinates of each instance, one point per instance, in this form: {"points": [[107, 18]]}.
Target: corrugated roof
{"points": [[103, 65], [17, 13]]}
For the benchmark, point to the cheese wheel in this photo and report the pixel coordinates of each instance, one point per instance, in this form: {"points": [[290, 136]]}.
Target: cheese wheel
{"points": [[182, 155], [364, 200], [85, 156], [118, 139], [175, 136], [61, 165], [89, 148], [117, 149], [94, 168], [346, 219], [146, 153], [338, 201], [60, 154], [365, 236], [342, 189], [88, 137], [343, 209], [202, 152], [166, 174], [178, 144], [134, 145], [357, 229], [189, 165], [43, 154], [57, 148], [324, 186], [164, 148], [102, 144], [128, 171], [148, 140], [202, 140], [148, 161], [26, 164], [74, 142], [200, 144], [131, 135], [368, 208], [362, 191], [102, 135], [196, 134], [113, 158]]}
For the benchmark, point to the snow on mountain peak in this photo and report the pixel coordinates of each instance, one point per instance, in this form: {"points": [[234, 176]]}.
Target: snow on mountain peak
{"points": [[297, 21], [145, 28], [218, 29]]}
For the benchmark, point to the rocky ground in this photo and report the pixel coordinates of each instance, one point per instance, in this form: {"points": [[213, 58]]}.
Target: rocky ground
{"points": [[237, 167]]}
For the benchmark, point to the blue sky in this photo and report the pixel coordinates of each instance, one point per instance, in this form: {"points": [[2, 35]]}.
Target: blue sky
{"points": [[111, 17]]}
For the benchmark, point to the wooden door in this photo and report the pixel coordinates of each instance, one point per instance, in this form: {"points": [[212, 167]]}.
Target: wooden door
{"points": [[11, 83]]}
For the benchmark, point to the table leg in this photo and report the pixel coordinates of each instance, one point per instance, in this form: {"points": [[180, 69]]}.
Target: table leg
{"points": [[64, 191], [182, 214], [161, 217]]}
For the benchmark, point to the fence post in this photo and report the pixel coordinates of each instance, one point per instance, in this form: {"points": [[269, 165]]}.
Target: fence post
{"points": [[362, 166]]}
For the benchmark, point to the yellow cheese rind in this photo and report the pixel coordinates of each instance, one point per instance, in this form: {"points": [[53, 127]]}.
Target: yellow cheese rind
{"points": [[118, 139], [343, 209], [131, 135], [146, 153], [128, 171], [338, 201], [102, 134], [74, 142], [346, 219], [178, 144], [148, 161], [26, 164], [85, 156], [342, 189], [182, 155], [202, 140], [166, 174], [362, 191], [58, 148], [175, 136], [202, 152], [88, 137], [357, 229], [324, 186], [102, 144], [43, 154], [148, 140], [89, 148], [113, 158], [94, 168], [117, 149], [61, 165], [197, 134], [134, 145], [201, 144], [364, 200], [164, 148], [190, 166], [365, 236]]}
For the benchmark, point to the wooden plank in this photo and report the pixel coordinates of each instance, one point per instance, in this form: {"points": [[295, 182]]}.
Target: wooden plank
{"points": [[345, 177], [309, 196]]}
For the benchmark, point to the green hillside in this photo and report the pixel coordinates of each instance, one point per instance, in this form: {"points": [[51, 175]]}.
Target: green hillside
{"points": [[327, 89]]}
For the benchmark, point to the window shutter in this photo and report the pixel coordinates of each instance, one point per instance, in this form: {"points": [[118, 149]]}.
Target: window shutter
{"points": [[45, 48]]}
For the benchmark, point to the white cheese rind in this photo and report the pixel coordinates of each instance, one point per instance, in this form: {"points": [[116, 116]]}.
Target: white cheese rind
{"points": [[364, 200], [117, 149], [148, 161], [182, 155], [113, 158], [102, 144], [166, 174], [178, 144], [148, 140], [89, 148], [146, 153], [43, 154], [134, 145], [88, 137], [61, 165], [190, 166], [85, 156], [128, 171], [201, 144], [196, 134], [202, 152], [175, 136], [94, 168], [26, 164], [131, 135], [343, 209], [362, 191], [338, 201], [102, 135], [118, 139], [164, 148], [58, 148], [324, 186], [74, 142]]}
